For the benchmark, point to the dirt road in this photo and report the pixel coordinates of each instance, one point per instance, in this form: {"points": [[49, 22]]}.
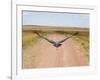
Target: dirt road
{"points": [[44, 55]]}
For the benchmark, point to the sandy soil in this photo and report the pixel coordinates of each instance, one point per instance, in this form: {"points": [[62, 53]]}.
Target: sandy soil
{"points": [[44, 55]]}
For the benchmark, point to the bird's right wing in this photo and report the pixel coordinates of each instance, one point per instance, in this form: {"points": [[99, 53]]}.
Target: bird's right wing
{"points": [[67, 37], [50, 41]]}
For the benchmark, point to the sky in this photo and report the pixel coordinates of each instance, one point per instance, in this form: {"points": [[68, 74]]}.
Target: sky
{"points": [[55, 19]]}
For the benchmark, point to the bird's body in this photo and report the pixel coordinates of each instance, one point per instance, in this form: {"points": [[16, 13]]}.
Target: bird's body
{"points": [[56, 44]]}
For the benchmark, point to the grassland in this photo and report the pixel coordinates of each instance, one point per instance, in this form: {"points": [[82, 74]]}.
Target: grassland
{"points": [[30, 38], [84, 41], [38, 53]]}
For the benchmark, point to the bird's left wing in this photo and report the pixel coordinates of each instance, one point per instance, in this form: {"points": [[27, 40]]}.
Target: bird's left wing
{"points": [[50, 41]]}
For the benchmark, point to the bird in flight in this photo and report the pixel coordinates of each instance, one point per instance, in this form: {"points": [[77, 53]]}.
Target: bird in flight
{"points": [[58, 43]]}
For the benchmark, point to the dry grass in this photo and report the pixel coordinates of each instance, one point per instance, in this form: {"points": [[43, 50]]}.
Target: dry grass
{"points": [[84, 41], [29, 39]]}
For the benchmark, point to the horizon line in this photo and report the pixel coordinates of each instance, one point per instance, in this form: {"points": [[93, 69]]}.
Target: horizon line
{"points": [[57, 26]]}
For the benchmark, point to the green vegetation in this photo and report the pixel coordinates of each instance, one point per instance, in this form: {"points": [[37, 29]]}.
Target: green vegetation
{"points": [[29, 39], [84, 41]]}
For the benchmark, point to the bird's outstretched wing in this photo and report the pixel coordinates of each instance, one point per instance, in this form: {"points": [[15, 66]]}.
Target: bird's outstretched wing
{"points": [[59, 42], [50, 41]]}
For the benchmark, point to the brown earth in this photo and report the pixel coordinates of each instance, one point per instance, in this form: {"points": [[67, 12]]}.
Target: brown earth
{"points": [[45, 55]]}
